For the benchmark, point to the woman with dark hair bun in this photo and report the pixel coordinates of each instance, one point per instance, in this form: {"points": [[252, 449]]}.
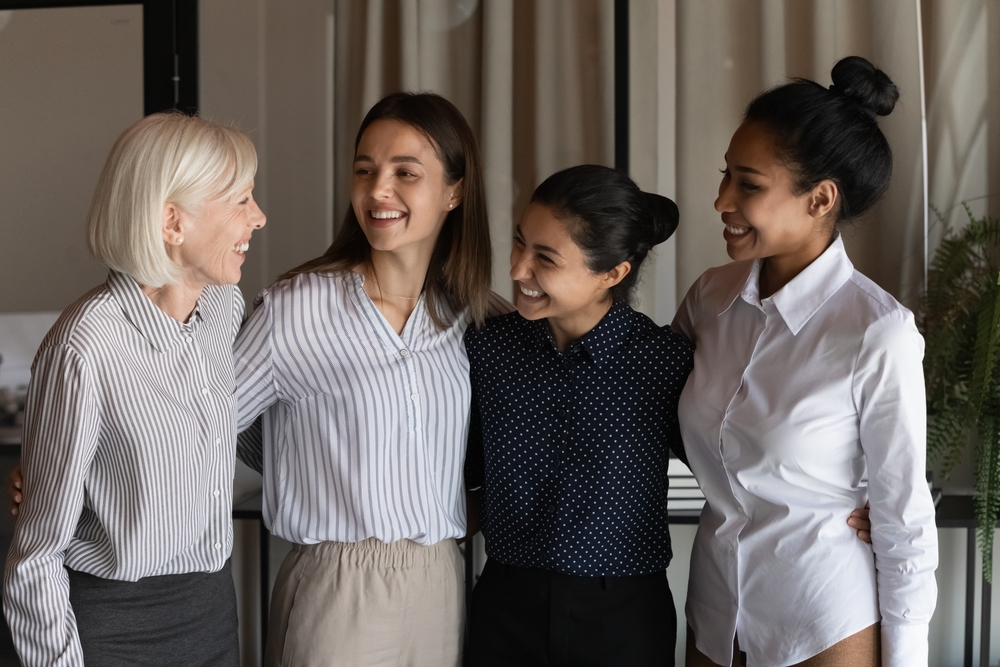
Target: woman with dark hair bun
{"points": [[807, 381], [574, 412]]}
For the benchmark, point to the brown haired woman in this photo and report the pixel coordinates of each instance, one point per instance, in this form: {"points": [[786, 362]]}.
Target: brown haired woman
{"points": [[357, 362]]}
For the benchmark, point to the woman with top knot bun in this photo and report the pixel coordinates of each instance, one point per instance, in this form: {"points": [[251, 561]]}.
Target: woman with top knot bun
{"points": [[806, 399], [574, 413]]}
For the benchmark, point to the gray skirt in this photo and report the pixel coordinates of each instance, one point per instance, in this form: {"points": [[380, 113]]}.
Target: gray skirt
{"points": [[176, 619]]}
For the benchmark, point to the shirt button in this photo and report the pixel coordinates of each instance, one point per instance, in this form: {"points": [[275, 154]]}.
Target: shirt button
{"points": [[204, 390], [404, 353], [218, 545], [414, 396], [216, 493], [189, 339], [218, 441], [552, 509]]}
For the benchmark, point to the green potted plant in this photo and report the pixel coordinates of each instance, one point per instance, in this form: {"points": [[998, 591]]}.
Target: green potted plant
{"points": [[960, 321]]}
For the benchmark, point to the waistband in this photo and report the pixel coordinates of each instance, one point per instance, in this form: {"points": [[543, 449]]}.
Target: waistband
{"points": [[536, 575], [372, 552]]}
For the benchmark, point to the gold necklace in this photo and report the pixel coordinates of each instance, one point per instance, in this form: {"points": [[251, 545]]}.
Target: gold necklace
{"points": [[382, 290]]}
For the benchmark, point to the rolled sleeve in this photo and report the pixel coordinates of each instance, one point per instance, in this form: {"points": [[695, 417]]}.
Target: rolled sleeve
{"points": [[60, 439], [889, 390]]}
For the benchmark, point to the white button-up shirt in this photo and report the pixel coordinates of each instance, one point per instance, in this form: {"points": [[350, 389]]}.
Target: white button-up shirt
{"points": [[793, 401]]}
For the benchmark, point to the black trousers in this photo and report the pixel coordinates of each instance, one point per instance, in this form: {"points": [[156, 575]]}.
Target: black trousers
{"points": [[525, 617], [168, 621]]}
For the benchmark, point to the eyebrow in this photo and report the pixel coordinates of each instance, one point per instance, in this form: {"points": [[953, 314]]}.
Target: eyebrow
{"points": [[744, 170], [395, 159], [539, 246]]}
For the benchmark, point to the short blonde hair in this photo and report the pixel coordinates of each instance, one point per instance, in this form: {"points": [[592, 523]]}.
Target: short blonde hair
{"points": [[164, 158]]}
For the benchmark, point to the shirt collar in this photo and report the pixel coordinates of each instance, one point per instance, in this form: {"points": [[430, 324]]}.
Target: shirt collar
{"points": [[600, 342], [806, 293], [162, 331]]}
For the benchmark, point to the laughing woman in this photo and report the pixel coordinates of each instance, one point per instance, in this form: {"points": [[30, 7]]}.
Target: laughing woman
{"points": [[356, 360], [121, 551], [807, 376]]}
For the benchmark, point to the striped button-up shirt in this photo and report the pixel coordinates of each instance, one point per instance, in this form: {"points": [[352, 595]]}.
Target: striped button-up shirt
{"points": [[128, 455], [364, 429]]}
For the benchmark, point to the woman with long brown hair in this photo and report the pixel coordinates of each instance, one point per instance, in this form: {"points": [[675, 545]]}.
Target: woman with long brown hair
{"points": [[357, 362]]}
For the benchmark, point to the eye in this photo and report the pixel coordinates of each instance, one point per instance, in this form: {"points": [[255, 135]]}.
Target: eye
{"points": [[518, 240], [724, 172], [748, 186], [546, 259], [406, 174], [245, 200], [362, 171]]}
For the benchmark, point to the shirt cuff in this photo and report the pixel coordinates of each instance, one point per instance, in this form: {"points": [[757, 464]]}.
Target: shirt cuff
{"points": [[904, 645]]}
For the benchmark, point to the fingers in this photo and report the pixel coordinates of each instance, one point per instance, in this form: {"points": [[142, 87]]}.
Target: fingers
{"points": [[859, 522]]}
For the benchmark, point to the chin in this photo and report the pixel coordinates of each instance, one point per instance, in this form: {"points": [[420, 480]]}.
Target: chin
{"points": [[529, 313]]}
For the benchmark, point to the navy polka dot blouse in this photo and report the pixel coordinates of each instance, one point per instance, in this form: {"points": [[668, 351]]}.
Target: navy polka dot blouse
{"points": [[571, 448]]}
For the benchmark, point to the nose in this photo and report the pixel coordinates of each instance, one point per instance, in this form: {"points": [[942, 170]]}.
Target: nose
{"points": [[520, 266], [382, 186], [258, 219], [724, 202]]}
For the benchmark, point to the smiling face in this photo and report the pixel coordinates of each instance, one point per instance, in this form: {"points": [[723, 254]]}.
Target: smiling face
{"points": [[215, 238], [399, 192], [553, 280], [763, 216]]}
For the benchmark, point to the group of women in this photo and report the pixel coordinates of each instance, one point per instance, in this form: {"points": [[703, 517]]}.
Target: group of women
{"points": [[400, 400]]}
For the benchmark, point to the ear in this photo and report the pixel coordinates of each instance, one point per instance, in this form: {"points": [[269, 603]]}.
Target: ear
{"points": [[823, 199], [173, 225], [455, 193], [615, 275]]}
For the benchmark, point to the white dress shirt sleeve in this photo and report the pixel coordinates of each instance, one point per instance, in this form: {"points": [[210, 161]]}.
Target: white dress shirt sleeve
{"points": [[60, 440], [256, 390], [889, 390], [684, 319]]}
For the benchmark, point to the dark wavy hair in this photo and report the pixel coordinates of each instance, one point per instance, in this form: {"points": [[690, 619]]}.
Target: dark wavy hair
{"points": [[459, 272], [609, 218], [832, 133]]}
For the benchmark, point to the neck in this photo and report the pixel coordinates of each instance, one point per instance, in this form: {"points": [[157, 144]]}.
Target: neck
{"points": [[178, 300], [575, 326], [779, 270], [400, 274]]}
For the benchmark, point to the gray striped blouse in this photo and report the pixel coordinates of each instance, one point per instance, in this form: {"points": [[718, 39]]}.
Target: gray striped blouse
{"points": [[364, 430], [128, 455]]}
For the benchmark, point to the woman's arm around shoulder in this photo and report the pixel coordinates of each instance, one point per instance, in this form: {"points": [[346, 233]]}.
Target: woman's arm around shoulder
{"points": [[256, 389], [888, 389]]}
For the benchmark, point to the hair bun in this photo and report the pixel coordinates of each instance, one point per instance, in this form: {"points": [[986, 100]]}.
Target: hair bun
{"points": [[665, 216], [856, 78]]}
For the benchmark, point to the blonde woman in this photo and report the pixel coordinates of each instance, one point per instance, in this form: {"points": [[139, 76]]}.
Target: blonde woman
{"points": [[121, 550]]}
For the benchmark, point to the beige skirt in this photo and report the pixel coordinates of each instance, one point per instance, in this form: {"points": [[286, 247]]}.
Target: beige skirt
{"points": [[862, 649], [368, 604]]}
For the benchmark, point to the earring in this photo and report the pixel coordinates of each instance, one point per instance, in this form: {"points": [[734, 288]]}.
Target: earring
{"points": [[451, 206], [180, 240]]}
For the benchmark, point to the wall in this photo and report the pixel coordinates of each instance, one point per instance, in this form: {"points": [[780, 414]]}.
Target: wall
{"points": [[70, 82]]}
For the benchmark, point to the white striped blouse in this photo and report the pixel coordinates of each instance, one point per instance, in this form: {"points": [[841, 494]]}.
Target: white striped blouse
{"points": [[364, 430], [127, 457]]}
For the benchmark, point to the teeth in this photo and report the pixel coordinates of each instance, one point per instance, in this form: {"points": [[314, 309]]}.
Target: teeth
{"points": [[738, 231], [531, 292], [241, 247], [386, 215]]}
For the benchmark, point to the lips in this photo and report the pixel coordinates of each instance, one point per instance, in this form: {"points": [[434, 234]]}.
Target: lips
{"points": [[534, 294]]}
